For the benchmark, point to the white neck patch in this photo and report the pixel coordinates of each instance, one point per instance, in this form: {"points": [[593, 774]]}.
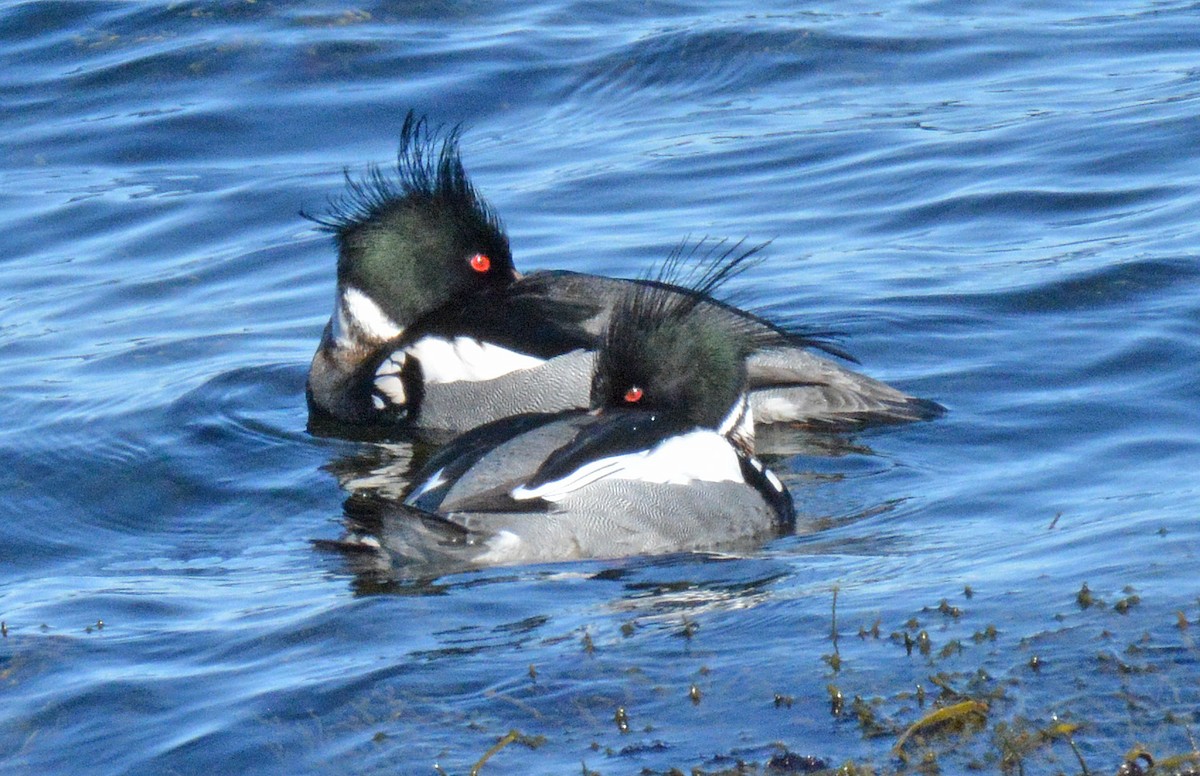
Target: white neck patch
{"points": [[702, 455], [737, 419], [466, 359], [738, 425], [357, 318]]}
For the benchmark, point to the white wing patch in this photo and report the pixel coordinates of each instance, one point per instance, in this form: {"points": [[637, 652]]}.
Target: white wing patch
{"points": [[503, 547], [393, 364], [435, 481], [699, 455], [556, 490], [358, 317], [392, 387], [388, 384], [467, 359]]}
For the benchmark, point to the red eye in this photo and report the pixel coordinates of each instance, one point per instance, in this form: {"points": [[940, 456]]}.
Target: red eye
{"points": [[480, 262], [633, 395]]}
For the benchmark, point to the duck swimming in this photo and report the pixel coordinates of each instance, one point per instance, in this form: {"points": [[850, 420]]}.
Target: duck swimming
{"points": [[660, 461], [434, 328]]}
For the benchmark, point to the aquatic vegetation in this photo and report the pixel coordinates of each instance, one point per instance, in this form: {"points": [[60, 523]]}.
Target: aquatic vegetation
{"points": [[982, 701], [963, 717]]}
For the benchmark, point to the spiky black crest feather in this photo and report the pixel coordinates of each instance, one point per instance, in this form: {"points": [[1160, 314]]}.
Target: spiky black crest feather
{"points": [[428, 168], [702, 268], [691, 281]]}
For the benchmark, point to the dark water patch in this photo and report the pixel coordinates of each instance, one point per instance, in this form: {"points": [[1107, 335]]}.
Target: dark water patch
{"points": [[734, 53], [1065, 208], [1154, 286]]}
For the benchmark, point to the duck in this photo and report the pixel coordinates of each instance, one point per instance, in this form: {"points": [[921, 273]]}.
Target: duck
{"points": [[434, 328], [661, 459]]}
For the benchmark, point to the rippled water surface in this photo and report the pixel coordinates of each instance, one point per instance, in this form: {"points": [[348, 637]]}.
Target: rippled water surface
{"points": [[995, 203]]}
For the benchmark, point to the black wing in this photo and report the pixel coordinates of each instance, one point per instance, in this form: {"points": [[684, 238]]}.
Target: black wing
{"points": [[519, 318], [454, 460], [607, 435], [773, 491]]}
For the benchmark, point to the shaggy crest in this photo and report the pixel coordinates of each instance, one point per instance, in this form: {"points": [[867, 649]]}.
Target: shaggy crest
{"points": [[428, 168], [682, 352]]}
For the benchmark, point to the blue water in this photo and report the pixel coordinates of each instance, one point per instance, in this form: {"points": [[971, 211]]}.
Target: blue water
{"points": [[995, 202]]}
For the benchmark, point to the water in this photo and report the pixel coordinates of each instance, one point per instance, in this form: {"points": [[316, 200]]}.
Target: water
{"points": [[995, 203]]}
